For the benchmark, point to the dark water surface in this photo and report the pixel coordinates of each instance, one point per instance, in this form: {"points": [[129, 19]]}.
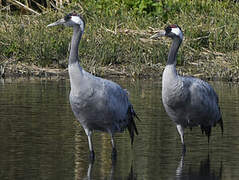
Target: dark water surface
{"points": [[40, 138]]}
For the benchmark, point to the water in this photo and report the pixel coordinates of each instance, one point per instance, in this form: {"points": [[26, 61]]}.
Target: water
{"points": [[40, 138]]}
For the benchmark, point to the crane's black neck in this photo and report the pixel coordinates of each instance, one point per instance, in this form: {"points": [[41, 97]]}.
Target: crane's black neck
{"points": [[76, 37], [173, 50]]}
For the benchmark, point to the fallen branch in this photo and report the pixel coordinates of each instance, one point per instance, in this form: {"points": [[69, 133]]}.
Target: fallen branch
{"points": [[39, 5], [214, 52]]}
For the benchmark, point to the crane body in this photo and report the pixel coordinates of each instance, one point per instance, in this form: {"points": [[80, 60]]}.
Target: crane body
{"points": [[188, 101], [97, 103]]}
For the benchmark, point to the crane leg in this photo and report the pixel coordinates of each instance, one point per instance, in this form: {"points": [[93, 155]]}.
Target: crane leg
{"points": [[89, 136], [114, 151], [181, 133]]}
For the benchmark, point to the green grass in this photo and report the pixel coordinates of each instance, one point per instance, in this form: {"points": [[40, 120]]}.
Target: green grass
{"points": [[117, 34]]}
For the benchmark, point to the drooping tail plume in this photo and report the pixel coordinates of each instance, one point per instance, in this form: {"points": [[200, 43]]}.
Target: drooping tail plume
{"points": [[221, 125], [131, 124]]}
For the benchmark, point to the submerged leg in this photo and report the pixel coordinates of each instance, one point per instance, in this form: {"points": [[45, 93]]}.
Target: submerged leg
{"points": [[114, 151], [181, 133], [92, 153], [179, 170], [89, 171]]}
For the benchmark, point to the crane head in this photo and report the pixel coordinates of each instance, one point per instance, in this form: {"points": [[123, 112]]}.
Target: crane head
{"points": [[170, 31], [71, 19]]}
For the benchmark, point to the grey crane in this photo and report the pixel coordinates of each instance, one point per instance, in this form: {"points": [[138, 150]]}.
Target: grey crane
{"points": [[188, 101], [97, 103]]}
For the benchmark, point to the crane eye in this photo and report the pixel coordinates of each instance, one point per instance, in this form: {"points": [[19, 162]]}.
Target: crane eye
{"points": [[168, 29]]}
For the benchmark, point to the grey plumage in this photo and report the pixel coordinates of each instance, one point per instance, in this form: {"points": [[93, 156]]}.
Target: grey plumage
{"points": [[97, 103], [188, 101]]}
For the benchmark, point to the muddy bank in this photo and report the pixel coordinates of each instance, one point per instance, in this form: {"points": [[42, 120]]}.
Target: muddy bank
{"points": [[13, 69], [217, 70]]}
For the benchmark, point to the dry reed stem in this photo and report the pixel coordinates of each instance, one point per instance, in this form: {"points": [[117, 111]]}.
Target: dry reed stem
{"points": [[20, 5], [39, 6]]}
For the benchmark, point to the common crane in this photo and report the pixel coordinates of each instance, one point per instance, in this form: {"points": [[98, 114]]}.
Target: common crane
{"points": [[188, 101], [97, 103]]}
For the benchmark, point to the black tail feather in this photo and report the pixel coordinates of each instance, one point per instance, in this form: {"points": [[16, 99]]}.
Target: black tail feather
{"points": [[131, 124], [221, 122], [208, 133], [207, 130]]}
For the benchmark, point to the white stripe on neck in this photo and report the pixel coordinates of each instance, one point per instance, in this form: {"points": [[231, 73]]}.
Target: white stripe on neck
{"points": [[178, 32]]}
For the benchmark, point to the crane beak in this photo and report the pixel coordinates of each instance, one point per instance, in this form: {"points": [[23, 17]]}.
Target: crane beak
{"points": [[158, 34], [59, 22]]}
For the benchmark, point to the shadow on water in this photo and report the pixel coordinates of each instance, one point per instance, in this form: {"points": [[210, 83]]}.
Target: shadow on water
{"points": [[198, 172], [103, 167], [111, 176]]}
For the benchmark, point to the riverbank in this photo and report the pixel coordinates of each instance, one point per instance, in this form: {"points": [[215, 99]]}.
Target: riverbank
{"points": [[219, 69]]}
